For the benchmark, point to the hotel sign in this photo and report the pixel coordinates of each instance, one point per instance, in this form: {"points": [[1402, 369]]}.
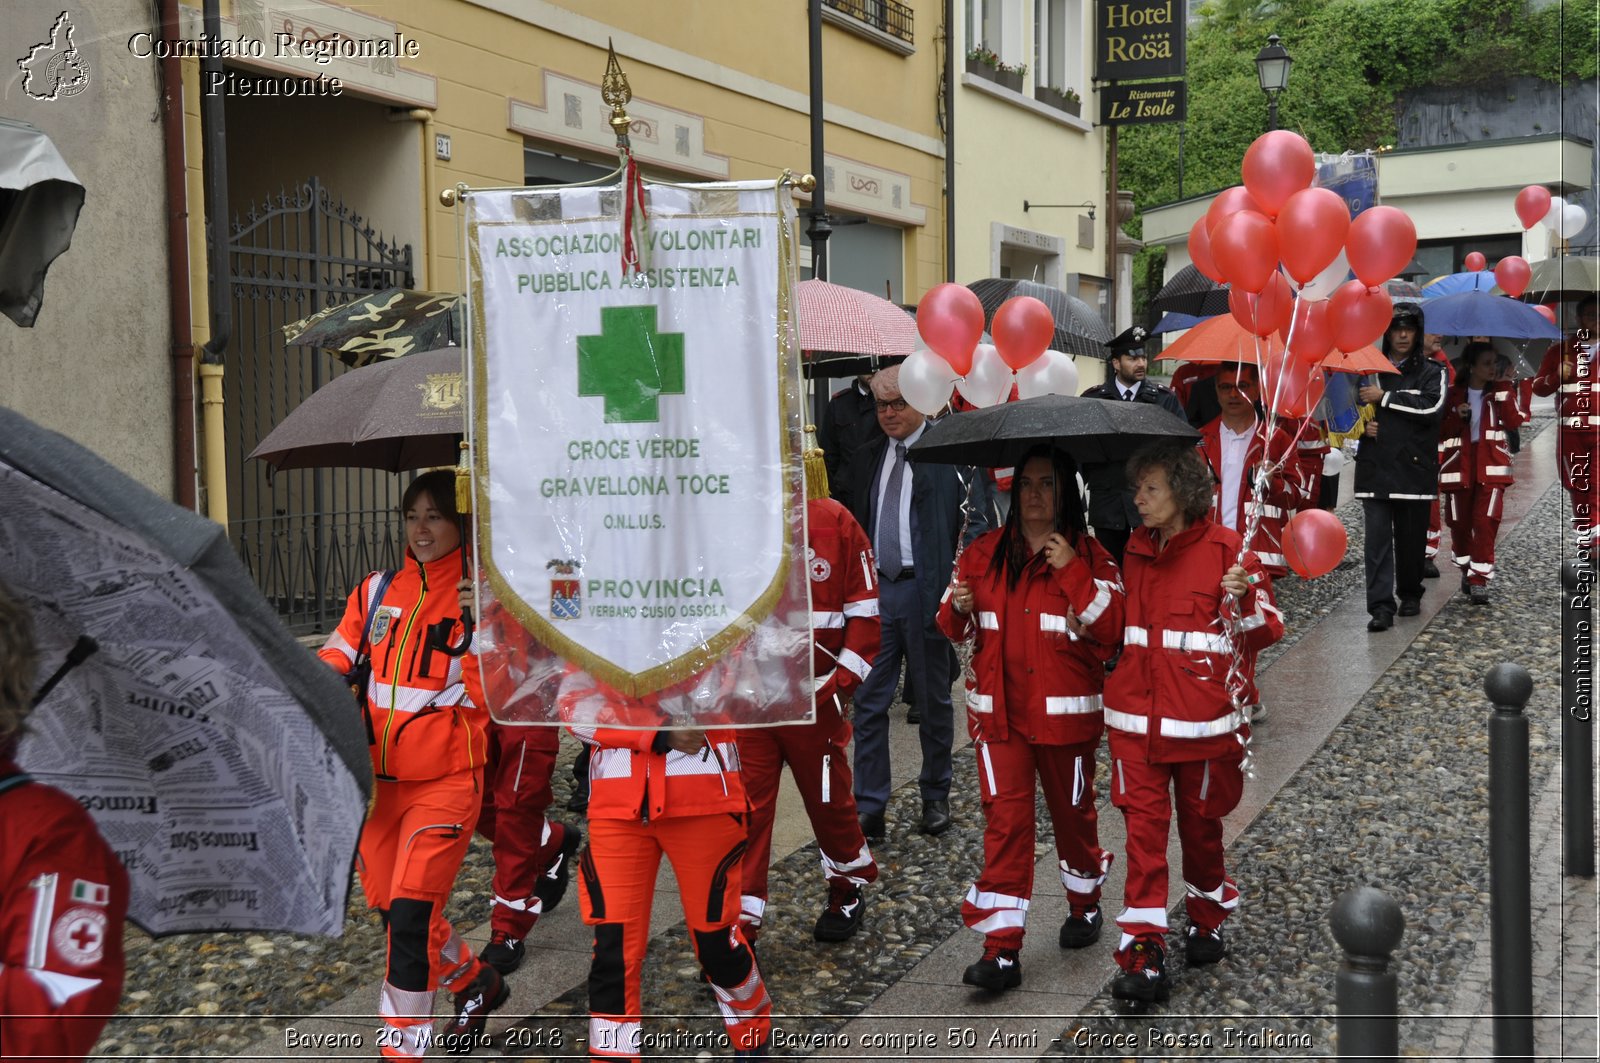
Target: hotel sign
{"points": [[1139, 39]]}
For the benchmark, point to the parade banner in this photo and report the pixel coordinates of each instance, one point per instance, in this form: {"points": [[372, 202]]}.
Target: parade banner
{"points": [[636, 439]]}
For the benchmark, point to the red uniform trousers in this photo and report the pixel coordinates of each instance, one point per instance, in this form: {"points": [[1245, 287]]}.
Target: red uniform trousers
{"points": [[1203, 791], [617, 885], [515, 795], [1431, 550], [1474, 513], [412, 845], [818, 759], [996, 905]]}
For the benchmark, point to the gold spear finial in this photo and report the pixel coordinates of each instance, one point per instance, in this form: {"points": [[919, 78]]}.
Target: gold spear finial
{"points": [[615, 91]]}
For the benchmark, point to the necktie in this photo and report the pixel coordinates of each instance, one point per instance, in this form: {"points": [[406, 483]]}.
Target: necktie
{"points": [[1127, 396], [889, 549]]}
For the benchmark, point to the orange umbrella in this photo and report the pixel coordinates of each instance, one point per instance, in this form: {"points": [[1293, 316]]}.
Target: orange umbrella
{"points": [[1222, 339], [1366, 359]]}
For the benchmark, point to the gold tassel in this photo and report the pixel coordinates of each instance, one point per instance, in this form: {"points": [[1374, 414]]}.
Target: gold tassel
{"points": [[816, 467], [464, 481]]}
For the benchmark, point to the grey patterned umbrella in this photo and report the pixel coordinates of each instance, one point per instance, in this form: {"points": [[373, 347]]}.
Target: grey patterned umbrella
{"points": [[1079, 327], [222, 762]]}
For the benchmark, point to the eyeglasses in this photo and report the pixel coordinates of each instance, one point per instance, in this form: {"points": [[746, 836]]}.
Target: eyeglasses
{"points": [[897, 405]]}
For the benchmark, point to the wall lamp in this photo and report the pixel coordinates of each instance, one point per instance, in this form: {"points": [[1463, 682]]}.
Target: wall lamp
{"points": [[1027, 206]]}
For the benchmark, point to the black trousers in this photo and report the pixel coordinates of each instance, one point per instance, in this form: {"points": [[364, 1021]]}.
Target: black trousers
{"points": [[1397, 543]]}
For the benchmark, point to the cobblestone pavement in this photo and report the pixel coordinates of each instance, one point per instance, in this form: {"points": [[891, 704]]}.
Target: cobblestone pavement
{"points": [[1372, 769]]}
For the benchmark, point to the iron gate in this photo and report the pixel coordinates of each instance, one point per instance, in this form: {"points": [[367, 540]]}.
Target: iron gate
{"points": [[307, 535]]}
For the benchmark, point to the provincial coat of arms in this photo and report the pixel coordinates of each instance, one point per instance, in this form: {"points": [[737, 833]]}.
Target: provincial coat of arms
{"points": [[566, 590]]}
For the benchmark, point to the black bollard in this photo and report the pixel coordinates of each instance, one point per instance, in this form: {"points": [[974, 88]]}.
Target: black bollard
{"points": [[1510, 908], [1577, 720], [1367, 924]]}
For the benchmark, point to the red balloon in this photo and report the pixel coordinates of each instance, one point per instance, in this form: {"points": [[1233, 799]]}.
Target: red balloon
{"points": [[1382, 240], [1276, 166], [1311, 231], [1513, 273], [1245, 247], [1475, 262], [950, 321], [1200, 250], [1229, 201], [1310, 335], [1263, 314], [1023, 328], [1533, 203], [1289, 387], [1314, 542], [1358, 315], [1547, 312]]}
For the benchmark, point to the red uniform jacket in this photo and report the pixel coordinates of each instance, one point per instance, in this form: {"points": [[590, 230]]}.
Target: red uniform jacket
{"points": [[1463, 463], [420, 722], [844, 599], [1287, 489], [1168, 699], [1059, 693], [1577, 404], [1310, 447], [63, 899]]}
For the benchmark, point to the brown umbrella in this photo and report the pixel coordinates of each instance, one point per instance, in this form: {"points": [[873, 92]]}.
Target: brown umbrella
{"points": [[403, 413]]}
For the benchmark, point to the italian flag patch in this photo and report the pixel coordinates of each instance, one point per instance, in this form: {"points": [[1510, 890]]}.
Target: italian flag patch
{"points": [[84, 892]]}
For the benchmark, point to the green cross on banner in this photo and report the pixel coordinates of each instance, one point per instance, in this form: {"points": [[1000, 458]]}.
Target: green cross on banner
{"points": [[629, 364]]}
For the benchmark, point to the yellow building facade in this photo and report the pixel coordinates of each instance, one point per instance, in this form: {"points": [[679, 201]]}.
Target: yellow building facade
{"points": [[334, 194]]}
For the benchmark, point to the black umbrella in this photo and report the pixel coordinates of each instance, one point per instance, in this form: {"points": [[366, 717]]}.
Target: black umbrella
{"points": [[1090, 430], [39, 204], [1079, 328], [1191, 292], [222, 762]]}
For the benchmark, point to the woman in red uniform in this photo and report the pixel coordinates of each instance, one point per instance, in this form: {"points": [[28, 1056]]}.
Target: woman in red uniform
{"points": [[844, 621], [1475, 462], [1044, 601], [427, 743], [1199, 608]]}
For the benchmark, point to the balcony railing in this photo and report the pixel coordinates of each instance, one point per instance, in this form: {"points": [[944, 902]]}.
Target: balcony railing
{"points": [[890, 16]]}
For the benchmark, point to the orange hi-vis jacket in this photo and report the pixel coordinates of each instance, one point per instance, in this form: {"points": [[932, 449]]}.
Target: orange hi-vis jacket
{"points": [[421, 724], [630, 777]]}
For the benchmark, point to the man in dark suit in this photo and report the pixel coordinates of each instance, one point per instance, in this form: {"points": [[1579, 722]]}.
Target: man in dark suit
{"points": [[912, 513], [1111, 510], [849, 426]]}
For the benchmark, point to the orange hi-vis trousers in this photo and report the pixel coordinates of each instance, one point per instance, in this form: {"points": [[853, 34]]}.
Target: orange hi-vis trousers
{"points": [[411, 849], [617, 884]]}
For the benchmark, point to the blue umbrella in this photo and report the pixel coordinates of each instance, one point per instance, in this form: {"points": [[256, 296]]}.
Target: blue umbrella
{"points": [[1176, 322], [1482, 314], [1455, 283]]}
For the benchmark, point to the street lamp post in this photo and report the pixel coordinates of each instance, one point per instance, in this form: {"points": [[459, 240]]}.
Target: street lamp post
{"points": [[1272, 69]]}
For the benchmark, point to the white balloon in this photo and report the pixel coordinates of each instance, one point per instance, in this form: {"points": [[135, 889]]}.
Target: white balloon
{"points": [[1552, 217], [1322, 285], [926, 381], [1052, 373], [1573, 219], [989, 381], [1332, 462]]}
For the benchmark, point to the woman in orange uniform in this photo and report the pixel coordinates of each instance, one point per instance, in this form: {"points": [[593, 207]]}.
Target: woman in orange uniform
{"points": [[1044, 601], [427, 743]]}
